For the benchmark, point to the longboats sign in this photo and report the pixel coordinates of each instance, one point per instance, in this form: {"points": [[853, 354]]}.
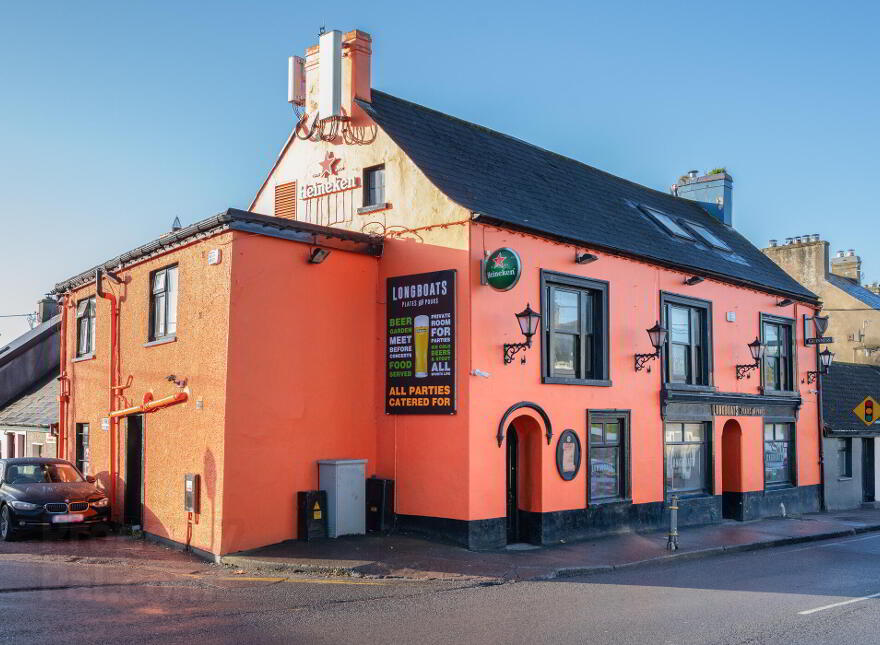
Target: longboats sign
{"points": [[420, 351]]}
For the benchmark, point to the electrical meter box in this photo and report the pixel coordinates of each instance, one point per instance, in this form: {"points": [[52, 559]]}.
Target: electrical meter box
{"points": [[311, 508], [191, 493]]}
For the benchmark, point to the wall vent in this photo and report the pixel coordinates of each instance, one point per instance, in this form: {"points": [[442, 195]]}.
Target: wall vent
{"points": [[285, 200]]}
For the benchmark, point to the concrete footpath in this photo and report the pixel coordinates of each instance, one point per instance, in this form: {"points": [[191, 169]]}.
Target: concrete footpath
{"points": [[409, 556]]}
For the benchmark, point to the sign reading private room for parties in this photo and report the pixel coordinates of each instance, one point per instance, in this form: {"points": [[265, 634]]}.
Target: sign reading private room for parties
{"points": [[503, 269], [420, 353]]}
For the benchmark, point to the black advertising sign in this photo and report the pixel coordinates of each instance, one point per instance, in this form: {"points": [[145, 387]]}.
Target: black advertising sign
{"points": [[822, 340], [420, 351]]}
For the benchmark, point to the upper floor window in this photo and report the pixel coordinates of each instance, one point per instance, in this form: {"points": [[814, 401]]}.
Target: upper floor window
{"points": [[85, 326], [575, 347], [688, 343], [777, 334], [163, 303], [778, 454], [374, 186]]}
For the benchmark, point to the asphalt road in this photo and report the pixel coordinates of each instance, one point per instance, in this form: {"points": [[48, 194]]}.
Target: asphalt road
{"points": [[814, 593]]}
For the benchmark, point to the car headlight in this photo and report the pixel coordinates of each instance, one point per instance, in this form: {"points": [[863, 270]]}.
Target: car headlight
{"points": [[24, 506], [101, 503]]}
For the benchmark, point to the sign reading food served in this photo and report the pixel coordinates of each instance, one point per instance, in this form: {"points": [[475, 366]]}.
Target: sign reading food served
{"points": [[503, 269], [420, 351]]}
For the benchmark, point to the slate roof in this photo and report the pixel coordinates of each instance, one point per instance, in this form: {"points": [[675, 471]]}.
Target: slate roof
{"points": [[17, 345], [38, 406], [843, 388], [513, 183], [858, 292]]}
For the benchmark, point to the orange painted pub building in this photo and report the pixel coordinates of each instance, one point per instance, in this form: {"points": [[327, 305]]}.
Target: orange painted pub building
{"points": [[364, 307]]}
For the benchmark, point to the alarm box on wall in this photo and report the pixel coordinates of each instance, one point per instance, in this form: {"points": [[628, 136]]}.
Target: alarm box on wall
{"points": [[191, 487]]}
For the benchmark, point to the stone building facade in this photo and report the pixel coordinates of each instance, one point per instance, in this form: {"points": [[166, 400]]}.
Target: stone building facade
{"points": [[853, 309]]}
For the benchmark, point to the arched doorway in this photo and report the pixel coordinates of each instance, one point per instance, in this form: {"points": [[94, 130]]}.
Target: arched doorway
{"points": [[731, 470], [525, 443]]}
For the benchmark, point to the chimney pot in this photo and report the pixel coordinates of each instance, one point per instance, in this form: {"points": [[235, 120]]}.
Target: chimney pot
{"points": [[774, 243], [693, 173]]}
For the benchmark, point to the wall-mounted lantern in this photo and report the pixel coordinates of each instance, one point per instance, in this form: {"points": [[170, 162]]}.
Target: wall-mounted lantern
{"points": [[825, 358], [657, 334], [528, 323], [756, 349]]}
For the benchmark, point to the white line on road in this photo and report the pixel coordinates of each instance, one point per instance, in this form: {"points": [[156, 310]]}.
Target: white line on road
{"points": [[838, 604], [823, 546]]}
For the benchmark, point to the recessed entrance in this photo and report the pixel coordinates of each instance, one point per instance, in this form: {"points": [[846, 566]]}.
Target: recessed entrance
{"points": [[731, 471], [134, 471], [513, 523]]}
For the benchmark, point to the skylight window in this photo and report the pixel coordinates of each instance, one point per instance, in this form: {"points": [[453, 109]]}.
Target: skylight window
{"points": [[710, 237], [667, 222]]}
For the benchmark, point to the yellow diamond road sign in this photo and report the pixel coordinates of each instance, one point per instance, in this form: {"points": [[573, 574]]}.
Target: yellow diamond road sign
{"points": [[868, 411]]}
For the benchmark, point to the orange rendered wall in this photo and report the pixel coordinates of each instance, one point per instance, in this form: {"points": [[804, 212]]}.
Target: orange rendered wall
{"points": [[179, 439], [634, 300]]}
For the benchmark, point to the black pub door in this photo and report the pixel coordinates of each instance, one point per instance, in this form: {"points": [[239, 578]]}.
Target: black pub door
{"points": [[134, 471], [868, 469], [512, 502]]}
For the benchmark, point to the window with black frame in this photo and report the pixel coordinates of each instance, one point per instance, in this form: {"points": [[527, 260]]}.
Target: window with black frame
{"points": [[687, 458], [163, 303], [607, 458], [778, 454], [374, 186], [687, 344], [575, 341], [778, 368], [85, 327]]}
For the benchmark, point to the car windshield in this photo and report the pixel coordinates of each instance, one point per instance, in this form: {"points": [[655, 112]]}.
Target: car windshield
{"points": [[42, 474]]}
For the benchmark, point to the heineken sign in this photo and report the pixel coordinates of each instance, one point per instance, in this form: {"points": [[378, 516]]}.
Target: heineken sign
{"points": [[503, 269]]}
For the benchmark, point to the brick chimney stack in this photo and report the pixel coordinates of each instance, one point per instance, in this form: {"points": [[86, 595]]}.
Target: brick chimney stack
{"points": [[804, 257]]}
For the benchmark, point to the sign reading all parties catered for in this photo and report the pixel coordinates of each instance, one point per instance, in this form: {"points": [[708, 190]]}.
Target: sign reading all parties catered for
{"points": [[420, 359]]}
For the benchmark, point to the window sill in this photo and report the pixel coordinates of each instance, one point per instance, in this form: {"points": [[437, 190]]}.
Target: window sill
{"points": [[161, 341], [844, 479], [685, 496], [685, 387], [84, 357], [561, 380], [780, 393], [778, 487], [374, 208], [611, 501]]}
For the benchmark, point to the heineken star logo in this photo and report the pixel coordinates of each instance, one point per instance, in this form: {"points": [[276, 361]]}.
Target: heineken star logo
{"points": [[329, 166], [500, 261]]}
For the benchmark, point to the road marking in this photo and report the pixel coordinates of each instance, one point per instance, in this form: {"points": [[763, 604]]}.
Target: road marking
{"points": [[336, 582], [838, 604], [838, 543], [253, 579]]}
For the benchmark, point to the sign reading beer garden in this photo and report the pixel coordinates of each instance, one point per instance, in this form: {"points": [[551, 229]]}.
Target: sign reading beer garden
{"points": [[503, 269], [420, 354]]}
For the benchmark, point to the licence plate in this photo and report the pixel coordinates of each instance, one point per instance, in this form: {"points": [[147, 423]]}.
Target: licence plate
{"points": [[69, 517]]}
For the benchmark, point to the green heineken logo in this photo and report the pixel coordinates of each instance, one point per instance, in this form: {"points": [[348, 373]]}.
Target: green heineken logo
{"points": [[503, 269]]}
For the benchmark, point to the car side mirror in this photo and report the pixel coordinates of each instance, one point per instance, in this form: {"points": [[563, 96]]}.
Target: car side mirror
{"points": [[91, 479]]}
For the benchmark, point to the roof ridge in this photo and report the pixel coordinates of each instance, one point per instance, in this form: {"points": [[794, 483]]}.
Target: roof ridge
{"points": [[492, 131]]}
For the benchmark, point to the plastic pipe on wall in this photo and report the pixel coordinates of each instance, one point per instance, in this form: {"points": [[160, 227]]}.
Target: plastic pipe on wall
{"points": [[114, 421], [62, 377]]}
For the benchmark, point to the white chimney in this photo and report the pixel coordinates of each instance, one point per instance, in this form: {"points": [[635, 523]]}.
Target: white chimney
{"points": [[330, 74]]}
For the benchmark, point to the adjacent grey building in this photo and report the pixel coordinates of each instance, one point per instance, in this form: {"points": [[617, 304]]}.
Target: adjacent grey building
{"points": [[850, 434], [29, 388]]}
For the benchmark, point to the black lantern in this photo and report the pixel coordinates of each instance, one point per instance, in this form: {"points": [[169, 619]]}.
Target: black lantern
{"points": [[528, 320], [657, 334], [825, 358], [756, 349], [821, 324]]}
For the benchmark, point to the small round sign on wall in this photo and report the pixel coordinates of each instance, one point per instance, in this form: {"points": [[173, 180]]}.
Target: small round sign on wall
{"points": [[503, 269]]}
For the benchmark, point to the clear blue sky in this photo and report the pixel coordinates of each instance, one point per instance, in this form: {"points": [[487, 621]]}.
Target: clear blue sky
{"points": [[117, 116]]}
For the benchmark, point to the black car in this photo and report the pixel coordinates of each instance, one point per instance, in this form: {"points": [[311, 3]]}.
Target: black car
{"points": [[48, 494]]}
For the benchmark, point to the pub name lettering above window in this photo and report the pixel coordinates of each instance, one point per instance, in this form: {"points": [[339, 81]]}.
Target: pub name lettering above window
{"points": [[575, 332], [85, 326], [163, 303]]}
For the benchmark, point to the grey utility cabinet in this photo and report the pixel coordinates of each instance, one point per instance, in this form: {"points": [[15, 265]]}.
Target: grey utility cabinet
{"points": [[345, 483]]}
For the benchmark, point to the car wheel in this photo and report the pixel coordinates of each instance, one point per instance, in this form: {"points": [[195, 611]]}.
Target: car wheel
{"points": [[6, 533]]}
